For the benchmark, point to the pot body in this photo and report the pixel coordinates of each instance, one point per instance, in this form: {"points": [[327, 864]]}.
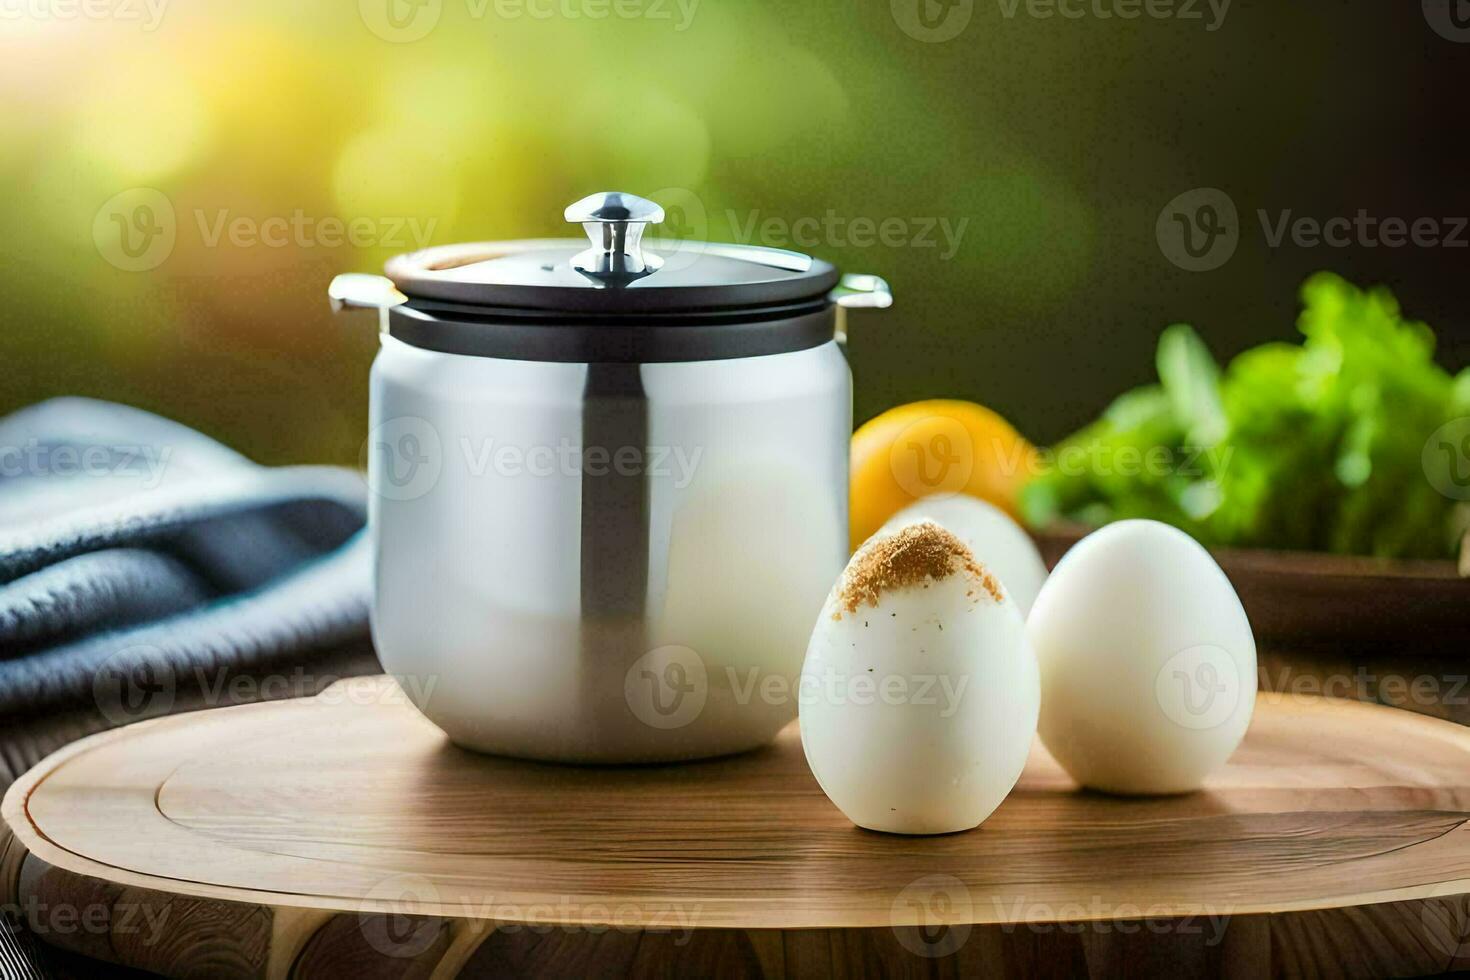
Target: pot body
{"points": [[605, 562]]}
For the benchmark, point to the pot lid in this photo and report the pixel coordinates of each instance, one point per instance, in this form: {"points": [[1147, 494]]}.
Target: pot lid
{"points": [[614, 271]]}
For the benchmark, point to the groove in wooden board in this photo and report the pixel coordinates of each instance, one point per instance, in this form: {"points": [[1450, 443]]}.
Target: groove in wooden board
{"points": [[1327, 804]]}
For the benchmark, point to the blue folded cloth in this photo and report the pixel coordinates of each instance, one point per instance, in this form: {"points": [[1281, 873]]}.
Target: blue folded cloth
{"points": [[145, 569]]}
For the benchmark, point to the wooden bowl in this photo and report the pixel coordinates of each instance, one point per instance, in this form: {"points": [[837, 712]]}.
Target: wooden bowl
{"points": [[1345, 604]]}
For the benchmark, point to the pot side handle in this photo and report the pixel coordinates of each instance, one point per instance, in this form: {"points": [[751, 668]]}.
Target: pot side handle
{"points": [[354, 291], [858, 291]]}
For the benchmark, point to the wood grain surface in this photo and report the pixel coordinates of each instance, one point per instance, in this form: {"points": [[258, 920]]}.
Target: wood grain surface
{"points": [[343, 835]]}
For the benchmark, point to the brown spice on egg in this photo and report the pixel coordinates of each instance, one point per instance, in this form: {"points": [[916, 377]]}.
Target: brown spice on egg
{"points": [[913, 555]]}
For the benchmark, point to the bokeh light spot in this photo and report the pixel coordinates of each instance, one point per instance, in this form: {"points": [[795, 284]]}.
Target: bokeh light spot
{"points": [[391, 173], [145, 123]]}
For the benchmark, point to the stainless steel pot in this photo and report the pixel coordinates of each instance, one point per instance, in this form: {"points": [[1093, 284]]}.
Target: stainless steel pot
{"points": [[610, 484]]}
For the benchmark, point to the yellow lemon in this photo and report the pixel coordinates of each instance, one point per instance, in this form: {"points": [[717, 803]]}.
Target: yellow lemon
{"points": [[937, 447]]}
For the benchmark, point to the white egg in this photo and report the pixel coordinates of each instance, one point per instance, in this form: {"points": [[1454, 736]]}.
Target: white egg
{"points": [[919, 693], [999, 542], [1148, 663]]}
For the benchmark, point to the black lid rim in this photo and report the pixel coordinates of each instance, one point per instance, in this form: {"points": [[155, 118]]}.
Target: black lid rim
{"points": [[414, 275], [601, 340], [446, 311]]}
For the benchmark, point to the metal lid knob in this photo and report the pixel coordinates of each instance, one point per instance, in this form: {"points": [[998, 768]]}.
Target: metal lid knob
{"points": [[614, 223]]}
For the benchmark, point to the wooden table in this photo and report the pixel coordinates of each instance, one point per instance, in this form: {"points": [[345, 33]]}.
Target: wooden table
{"points": [[343, 835]]}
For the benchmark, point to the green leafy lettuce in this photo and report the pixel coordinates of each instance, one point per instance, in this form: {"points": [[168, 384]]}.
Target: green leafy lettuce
{"points": [[1317, 446]]}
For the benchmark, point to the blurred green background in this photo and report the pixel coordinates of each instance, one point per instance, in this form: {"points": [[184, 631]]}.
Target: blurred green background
{"points": [[1053, 142]]}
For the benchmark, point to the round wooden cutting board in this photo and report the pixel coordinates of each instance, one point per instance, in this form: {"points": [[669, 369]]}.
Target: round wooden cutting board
{"points": [[344, 835]]}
